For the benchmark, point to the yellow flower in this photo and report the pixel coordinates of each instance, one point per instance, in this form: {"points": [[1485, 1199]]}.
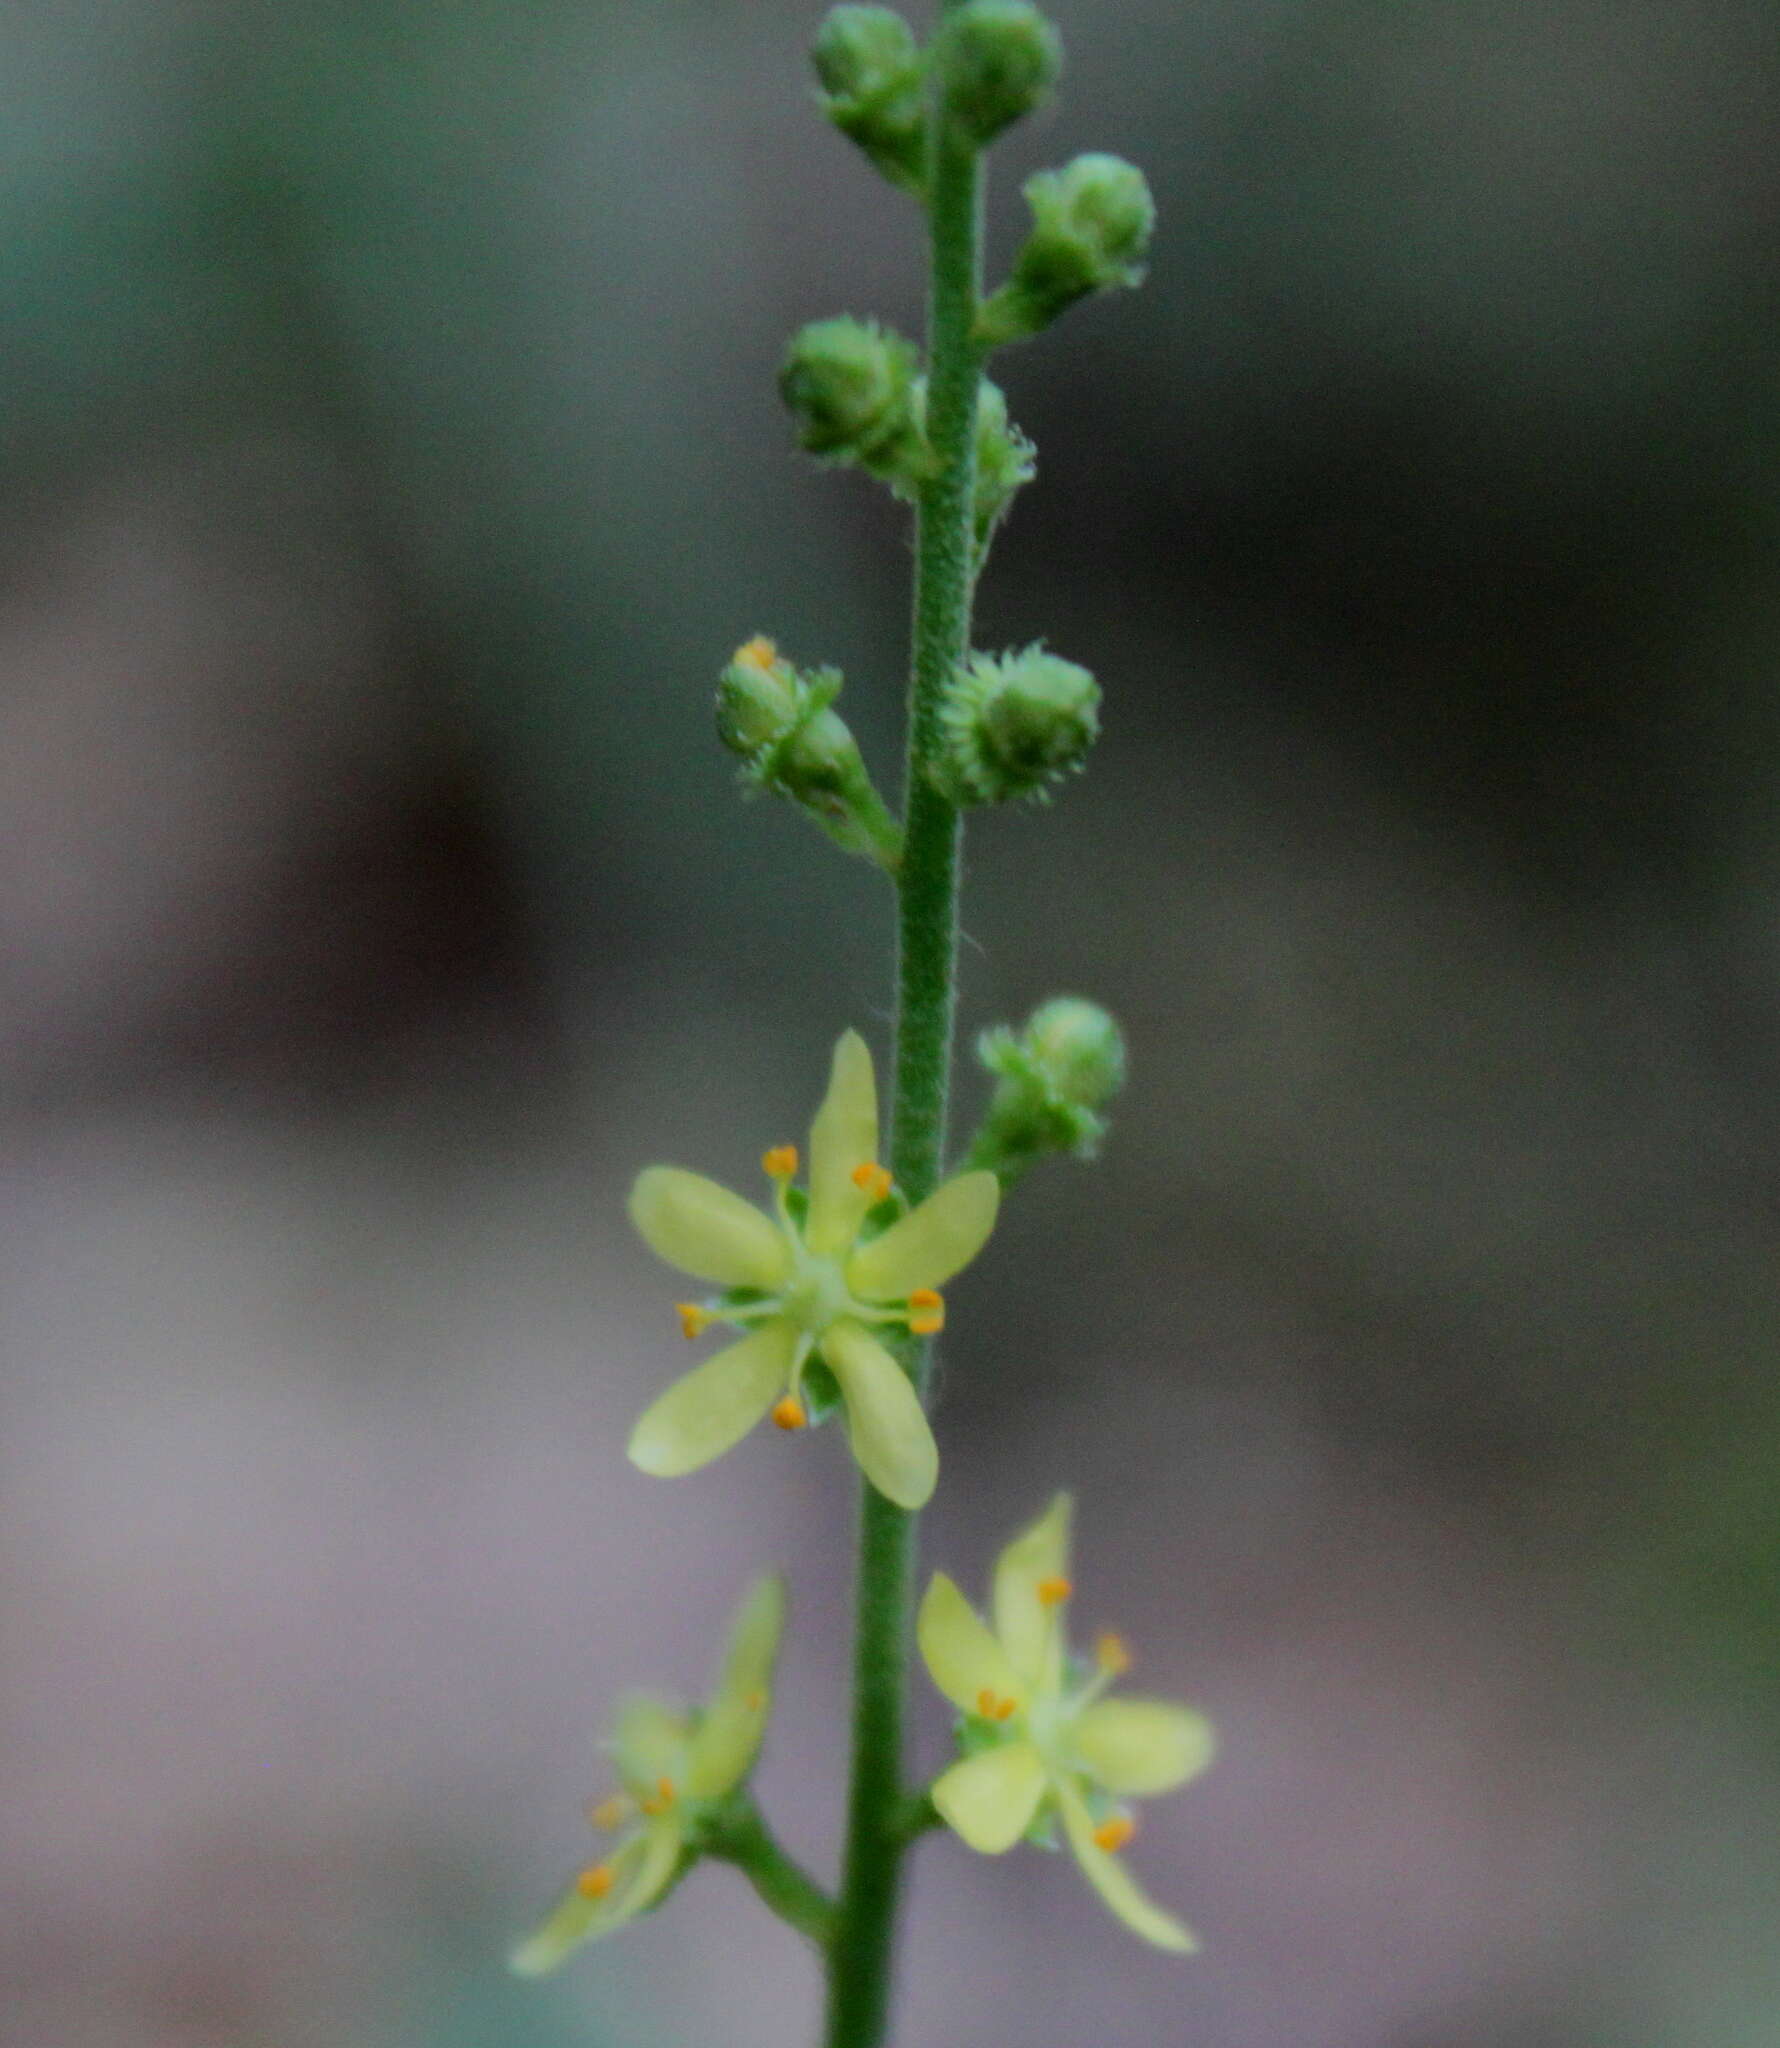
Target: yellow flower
{"points": [[810, 1281], [673, 1768], [1039, 1736]]}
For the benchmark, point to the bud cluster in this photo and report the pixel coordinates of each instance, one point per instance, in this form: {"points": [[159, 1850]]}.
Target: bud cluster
{"points": [[781, 724], [1053, 1079], [1016, 725]]}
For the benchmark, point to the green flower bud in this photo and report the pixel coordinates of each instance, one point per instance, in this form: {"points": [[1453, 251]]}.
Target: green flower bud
{"points": [[853, 391], [1005, 461], [759, 698], [874, 88], [1091, 228], [1015, 724], [1053, 1079], [792, 743], [1000, 59]]}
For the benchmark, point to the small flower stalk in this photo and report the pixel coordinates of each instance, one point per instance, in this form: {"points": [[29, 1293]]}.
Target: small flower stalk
{"points": [[830, 1286], [1053, 1079], [1041, 1741], [1091, 228], [780, 721], [1016, 725]]}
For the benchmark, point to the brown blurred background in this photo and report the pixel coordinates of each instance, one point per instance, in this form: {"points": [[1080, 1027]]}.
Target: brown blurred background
{"points": [[391, 459]]}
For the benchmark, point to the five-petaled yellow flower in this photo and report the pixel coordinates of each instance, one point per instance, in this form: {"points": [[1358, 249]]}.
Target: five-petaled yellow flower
{"points": [[1039, 1735], [810, 1281], [673, 1767]]}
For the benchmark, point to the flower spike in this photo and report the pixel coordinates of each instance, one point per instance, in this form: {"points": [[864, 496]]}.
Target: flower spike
{"points": [[1039, 1737], [809, 1285]]}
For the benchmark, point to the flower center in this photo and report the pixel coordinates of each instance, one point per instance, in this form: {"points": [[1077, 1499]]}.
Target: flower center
{"points": [[817, 1295]]}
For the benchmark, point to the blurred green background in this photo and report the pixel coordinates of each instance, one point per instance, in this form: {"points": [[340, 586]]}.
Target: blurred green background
{"points": [[391, 459]]}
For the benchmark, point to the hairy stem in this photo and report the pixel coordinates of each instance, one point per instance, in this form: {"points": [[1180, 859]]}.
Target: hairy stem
{"points": [[862, 1955]]}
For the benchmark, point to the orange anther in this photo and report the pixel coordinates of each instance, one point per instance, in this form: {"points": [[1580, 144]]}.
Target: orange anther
{"points": [[927, 1312], [754, 1701], [788, 1413], [610, 1813], [759, 652], [595, 1881], [664, 1798], [694, 1321], [1112, 1654], [1053, 1592], [993, 1707], [872, 1179], [1112, 1835], [779, 1161]]}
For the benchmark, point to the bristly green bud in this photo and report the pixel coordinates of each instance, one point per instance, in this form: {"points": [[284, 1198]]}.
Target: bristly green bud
{"points": [[1016, 724], [999, 59], [1006, 460], [874, 89], [1054, 1077], [779, 721], [1091, 228], [854, 391]]}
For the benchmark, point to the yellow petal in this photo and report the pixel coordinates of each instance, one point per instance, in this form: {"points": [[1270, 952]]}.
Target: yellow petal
{"points": [[1031, 1629], [844, 1136], [726, 1739], [1115, 1884], [640, 1872], [989, 1799], [648, 1744], [715, 1405], [706, 1231], [963, 1659], [891, 1440], [1142, 1747], [930, 1243]]}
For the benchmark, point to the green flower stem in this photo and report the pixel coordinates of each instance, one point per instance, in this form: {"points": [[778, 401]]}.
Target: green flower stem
{"points": [[860, 1961], [743, 1838]]}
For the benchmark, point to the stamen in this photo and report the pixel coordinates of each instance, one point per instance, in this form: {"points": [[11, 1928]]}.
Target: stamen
{"points": [[788, 1413], [1112, 1654], [754, 1701], [927, 1313], [595, 1881], [1053, 1592], [694, 1321], [664, 1798], [610, 1813], [992, 1707], [1112, 1835], [759, 652], [872, 1179], [779, 1162]]}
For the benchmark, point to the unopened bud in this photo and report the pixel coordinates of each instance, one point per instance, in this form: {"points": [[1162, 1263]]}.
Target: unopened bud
{"points": [[1015, 724], [759, 698], [780, 722], [1053, 1079], [1091, 228], [1000, 59], [852, 388], [874, 88]]}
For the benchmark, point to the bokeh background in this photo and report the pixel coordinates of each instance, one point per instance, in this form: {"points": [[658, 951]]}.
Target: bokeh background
{"points": [[391, 457]]}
